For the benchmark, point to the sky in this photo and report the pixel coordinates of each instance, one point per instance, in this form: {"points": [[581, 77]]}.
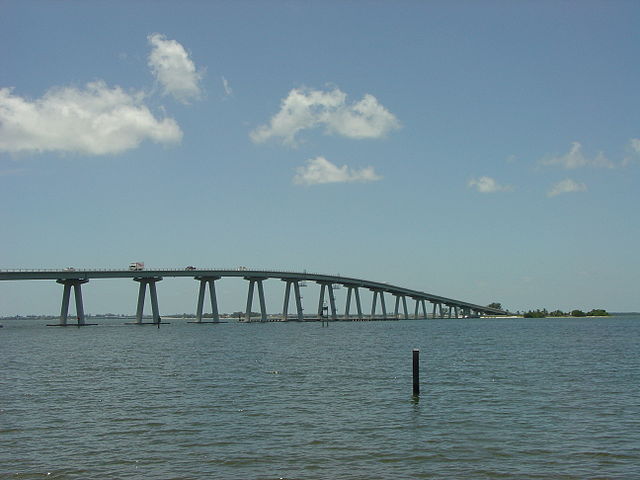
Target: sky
{"points": [[487, 151]]}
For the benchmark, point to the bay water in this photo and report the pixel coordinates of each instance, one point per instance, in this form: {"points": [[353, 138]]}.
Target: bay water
{"points": [[500, 399]]}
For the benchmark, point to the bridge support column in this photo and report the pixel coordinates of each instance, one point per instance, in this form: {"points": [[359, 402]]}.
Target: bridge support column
{"points": [[382, 304], [296, 292], [332, 300], [404, 304], [397, 307], [332, 303], [212, 296], [321, 300], [76, 283], [420, 302], [350, 289], [151, 282], [263, 308]]}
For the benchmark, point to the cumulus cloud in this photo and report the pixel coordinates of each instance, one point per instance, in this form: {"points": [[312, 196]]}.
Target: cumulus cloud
{"points": [[566, 186], [305, 108], [634, 152], [94, 120], [172, 67], [488, 185], [576, 159], [320, 170]]}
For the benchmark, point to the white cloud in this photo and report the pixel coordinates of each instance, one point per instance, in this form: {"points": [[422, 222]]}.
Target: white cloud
{"points": [[576, 159], [320, 170], [634, 152], [566, 186], [488, 185], [95, 120], [172, 67], [305, 108], [228, 91]]}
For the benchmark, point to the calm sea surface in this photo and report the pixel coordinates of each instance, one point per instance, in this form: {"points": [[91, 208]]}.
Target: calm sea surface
{"points": [[507, 399]]}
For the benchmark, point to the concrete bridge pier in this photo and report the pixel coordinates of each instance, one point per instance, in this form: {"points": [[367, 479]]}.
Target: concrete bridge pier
{"points": [[404, 304], [151, 282], [332, 300], [377, 292], [212, 297], [263, 307], [420, 302], [76, 283], [296, 292], [350, 290]]}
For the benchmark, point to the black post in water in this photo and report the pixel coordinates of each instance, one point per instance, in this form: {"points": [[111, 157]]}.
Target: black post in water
{"points": [[416, 372]]}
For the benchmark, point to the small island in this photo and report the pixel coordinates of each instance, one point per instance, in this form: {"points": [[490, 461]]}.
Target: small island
{"points": [[596, 312]]}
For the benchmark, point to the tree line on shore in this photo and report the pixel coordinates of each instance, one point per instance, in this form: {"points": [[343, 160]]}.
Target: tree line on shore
{"points": [[596, 312]]}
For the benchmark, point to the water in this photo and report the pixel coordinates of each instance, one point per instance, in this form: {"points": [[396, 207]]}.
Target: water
{"points": [[505, 399]]}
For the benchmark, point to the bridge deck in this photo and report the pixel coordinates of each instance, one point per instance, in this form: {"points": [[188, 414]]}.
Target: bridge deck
{"points": [[87, 274]]}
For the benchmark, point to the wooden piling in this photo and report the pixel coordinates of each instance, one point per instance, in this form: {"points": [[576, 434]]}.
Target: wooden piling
{"points": [[416, 372]]}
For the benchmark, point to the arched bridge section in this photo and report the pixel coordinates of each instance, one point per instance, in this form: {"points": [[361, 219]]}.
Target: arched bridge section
{"points": [[73, 279]]}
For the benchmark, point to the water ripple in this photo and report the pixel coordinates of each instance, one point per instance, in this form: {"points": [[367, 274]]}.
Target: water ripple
{"points": [[526, 399]]}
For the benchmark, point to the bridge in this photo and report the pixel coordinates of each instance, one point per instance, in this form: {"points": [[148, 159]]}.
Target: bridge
{"points": [[441, 306]]}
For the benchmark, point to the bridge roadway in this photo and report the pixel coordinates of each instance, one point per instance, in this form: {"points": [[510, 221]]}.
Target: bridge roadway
{"points": [[72, 278]]}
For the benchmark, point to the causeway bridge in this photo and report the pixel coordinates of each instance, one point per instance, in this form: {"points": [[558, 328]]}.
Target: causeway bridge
{"points": [[72, 279]]}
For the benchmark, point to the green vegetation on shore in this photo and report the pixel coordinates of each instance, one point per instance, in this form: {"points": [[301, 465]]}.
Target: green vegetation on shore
{"points": [[596, 312]]}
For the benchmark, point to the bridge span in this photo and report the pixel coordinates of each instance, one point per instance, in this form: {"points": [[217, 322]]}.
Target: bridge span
{"points": [[147, 279]]}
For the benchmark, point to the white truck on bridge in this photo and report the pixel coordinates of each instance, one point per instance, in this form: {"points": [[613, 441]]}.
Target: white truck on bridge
{"points": [[136, 266]]}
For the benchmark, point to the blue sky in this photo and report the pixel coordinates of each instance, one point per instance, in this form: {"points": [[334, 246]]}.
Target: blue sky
{"points": [[485, 151]]}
